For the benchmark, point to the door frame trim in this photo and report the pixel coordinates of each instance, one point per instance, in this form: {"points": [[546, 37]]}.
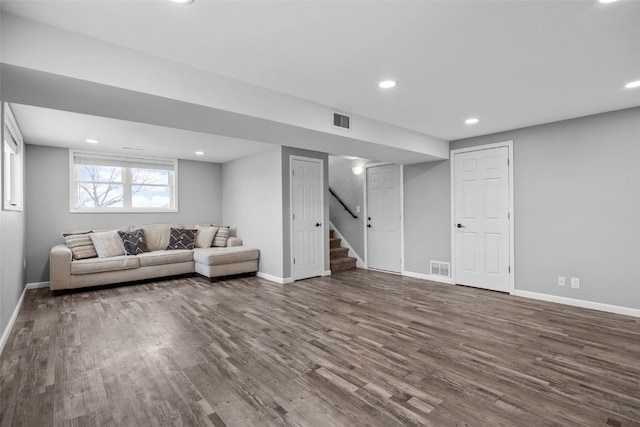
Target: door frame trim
{"points": [[366, 209], [293, 157], [509, 145]]}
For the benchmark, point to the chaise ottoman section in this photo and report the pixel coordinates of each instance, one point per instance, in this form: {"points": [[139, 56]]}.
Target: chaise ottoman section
{"points": [[215, 262]]}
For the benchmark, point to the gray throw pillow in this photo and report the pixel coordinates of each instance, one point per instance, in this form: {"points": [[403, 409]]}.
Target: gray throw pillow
{"points": [[133, 242], [182, 238]]}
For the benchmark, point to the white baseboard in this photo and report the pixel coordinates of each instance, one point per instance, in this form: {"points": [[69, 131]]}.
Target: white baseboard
{"points": [[352, 253], [326, 273], [446, 280], [271, 278], [580, 303], [37, 285], [12, 321]]}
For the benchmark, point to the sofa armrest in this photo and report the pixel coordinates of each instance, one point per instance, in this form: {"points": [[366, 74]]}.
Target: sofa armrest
{"points": [[60, 267], [234, 241]]}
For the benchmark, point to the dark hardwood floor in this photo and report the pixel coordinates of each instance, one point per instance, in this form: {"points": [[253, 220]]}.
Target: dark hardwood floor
{"points": [[360, 348]]}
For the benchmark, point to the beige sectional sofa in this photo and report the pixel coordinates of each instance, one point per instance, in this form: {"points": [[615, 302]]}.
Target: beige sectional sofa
{"points": [[69, 273]]}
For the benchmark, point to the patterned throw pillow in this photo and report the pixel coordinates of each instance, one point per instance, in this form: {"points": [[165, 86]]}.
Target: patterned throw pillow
{"points": [[182, 238], [221, 237], [80, 244], [133, 242]]}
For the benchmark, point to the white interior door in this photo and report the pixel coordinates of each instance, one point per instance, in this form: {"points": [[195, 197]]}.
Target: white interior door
{"points": [[481, 215], [307, 216], [384, 218]]}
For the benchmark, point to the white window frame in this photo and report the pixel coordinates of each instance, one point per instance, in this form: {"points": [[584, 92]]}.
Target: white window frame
{"points": [[12, 165], [73, 182]]}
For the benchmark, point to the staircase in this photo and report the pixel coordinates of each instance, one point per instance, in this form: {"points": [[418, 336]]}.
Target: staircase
{"points": [[339, 259]]}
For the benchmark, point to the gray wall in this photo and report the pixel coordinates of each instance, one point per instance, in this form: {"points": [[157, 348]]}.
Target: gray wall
{"points": [[427, 215], [577, 203], [349, 188], [252, 204], [47, 204], [12, 252], [286, 204]]}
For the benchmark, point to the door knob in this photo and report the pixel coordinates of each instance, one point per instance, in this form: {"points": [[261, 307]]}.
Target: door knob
{"points": [[318, 224], [369, 225], [460, 226]]}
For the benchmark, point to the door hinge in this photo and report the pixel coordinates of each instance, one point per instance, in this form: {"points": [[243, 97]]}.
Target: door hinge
{"points": [[508, 215], [509, 269], [508, 162], [293, 172], [294, 216], [294, 260]]}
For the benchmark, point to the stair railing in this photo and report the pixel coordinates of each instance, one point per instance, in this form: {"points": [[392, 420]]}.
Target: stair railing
{"points": [[333, 193]]}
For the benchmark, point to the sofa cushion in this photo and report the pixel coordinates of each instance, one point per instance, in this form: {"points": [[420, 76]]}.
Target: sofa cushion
{"points": [[220, 256], [221, 237], [80, 244], [181, 238], [204, 238], [157, 235], [107, 243], [99, 265], [133, 242], [165, 257]]}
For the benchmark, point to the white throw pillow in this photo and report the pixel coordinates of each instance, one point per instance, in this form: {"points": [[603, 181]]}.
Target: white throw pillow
{"points": [[205, 236], [107, 243]]}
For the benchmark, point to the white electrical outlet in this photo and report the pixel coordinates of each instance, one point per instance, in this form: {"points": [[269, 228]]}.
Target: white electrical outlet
{"points": [[561, 281], [575, 283], [357, 209]]}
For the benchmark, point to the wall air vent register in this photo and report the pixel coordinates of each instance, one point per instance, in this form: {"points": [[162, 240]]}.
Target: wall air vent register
{"points": [[341, 121]]}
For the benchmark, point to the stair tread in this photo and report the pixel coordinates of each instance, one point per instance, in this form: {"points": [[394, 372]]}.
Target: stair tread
{"points": [[342, 260], [343, 263]]}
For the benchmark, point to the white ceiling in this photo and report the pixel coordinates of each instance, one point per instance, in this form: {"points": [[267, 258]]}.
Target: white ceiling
{"points": [[510, 63], [43, 126]]}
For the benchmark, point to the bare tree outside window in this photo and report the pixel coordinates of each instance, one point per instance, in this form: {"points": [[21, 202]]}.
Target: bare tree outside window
{"points": [[100, 186], [108, 187]]}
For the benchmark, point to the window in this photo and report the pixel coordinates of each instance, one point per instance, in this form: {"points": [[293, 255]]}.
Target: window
{"points": [[12, 149], [104, 183]]}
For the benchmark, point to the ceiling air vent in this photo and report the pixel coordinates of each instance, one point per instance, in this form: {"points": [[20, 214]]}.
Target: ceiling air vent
{"points": [[341, 121], [439, 268]]}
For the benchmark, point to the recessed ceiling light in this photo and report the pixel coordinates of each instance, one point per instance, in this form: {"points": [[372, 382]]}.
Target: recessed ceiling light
{"points": [[632, 85], [472, 121], [199, 153], [387, 84], [183, 1], [92, 141]]}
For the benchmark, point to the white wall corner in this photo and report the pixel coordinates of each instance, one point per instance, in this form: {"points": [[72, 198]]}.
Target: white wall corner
{"points": [[12, 321], [276, 279], [37, 285]]}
